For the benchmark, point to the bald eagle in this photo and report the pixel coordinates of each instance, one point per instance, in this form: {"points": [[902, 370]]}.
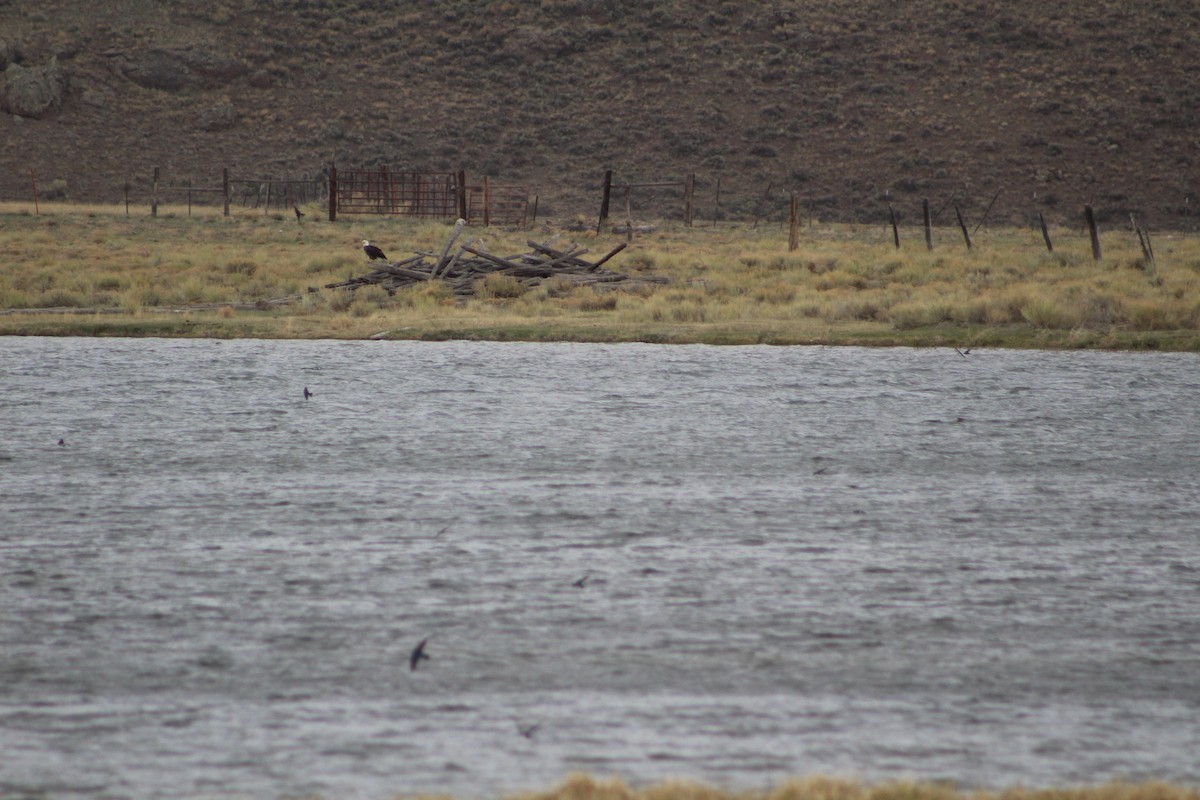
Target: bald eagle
{"points": [[372, 251]]}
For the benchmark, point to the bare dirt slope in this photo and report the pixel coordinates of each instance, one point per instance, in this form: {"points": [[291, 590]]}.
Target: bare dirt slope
{"points": [[850, 103]]}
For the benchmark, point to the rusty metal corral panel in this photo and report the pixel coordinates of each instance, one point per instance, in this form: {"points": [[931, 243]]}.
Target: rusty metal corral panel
{"points": [[410, 194], [498, 205]]}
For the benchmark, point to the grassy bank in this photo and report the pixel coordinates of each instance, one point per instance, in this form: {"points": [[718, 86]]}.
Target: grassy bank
{"points": [[74, 270], [583, 787]]}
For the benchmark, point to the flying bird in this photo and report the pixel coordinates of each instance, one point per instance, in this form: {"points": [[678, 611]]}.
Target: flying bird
{"points": [[307, 393], [417, 654], [529, 730], [372, 251], [579, 583]]}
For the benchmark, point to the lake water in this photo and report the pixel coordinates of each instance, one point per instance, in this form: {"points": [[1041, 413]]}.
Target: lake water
{"points": [[871, 563]]}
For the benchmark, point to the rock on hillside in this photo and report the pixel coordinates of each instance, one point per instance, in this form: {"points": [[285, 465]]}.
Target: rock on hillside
{"points": [[32, 92]]}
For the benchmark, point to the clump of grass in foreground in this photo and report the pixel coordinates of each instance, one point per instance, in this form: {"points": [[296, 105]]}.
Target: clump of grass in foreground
{"points": [[585, 787]]}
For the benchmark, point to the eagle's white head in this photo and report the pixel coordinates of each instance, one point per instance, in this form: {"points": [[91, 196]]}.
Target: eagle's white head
{"points": [[366, 242]]}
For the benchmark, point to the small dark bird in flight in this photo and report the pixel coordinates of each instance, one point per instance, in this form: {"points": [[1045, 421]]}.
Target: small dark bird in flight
{"points": [[307, 393], [417, 654], [579, 583], [529, 730], [372, 251], [961, 353]]}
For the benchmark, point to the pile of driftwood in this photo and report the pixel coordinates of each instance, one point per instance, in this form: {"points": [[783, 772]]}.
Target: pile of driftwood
{"points": [[464, 268]]}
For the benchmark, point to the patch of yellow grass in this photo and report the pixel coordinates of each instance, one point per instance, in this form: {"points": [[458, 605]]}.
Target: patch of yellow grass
{"points": [[586, 787], [732, 283]]}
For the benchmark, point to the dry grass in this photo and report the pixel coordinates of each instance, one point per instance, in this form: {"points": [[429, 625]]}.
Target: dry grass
{"points": [[728, 284], [585, 787]]}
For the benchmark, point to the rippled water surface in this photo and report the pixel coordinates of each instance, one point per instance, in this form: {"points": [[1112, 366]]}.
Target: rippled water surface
{"points": [[877, 563]]}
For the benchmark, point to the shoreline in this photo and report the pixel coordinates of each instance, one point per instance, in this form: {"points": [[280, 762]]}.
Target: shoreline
{"points": [[226, 323]]}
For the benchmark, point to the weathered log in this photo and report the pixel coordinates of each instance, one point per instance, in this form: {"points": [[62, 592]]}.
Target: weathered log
{"points": [[445, 256]]}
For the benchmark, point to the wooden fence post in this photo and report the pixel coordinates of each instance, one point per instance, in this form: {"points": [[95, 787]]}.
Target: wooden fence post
{"points": [[794, 223], [225, 188], [461, 192], [154, 195], [487, 204], [605, 192], [1090, 218], [628, 215], [1045, 233], [895, 227], [963, 225], [766, 198], [127, 198], [717, 203], [333, 192], [33, 182], [689, 192], [1143, 239], [928, 224]]}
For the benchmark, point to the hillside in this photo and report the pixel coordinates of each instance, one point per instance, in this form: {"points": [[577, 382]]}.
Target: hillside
{"points": [[851, 103]]}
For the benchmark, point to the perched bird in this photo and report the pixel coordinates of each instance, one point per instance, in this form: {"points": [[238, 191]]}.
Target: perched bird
{"points": [[417, 654], [298, 212], [307, 393], [372, 251]]}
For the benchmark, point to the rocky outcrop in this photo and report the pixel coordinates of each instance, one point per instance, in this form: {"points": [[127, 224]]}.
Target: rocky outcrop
{"points": [[219, 117], [32, 91], [8, 53], [176, 70]]}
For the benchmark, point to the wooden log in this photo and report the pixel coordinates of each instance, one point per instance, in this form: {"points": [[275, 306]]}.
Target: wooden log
{"points": [[567, 260], [611, 253], [1090, 218], [556, 255], [445, 256], [453, 263], [154, 195], [494, 259], [404, 272]]}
